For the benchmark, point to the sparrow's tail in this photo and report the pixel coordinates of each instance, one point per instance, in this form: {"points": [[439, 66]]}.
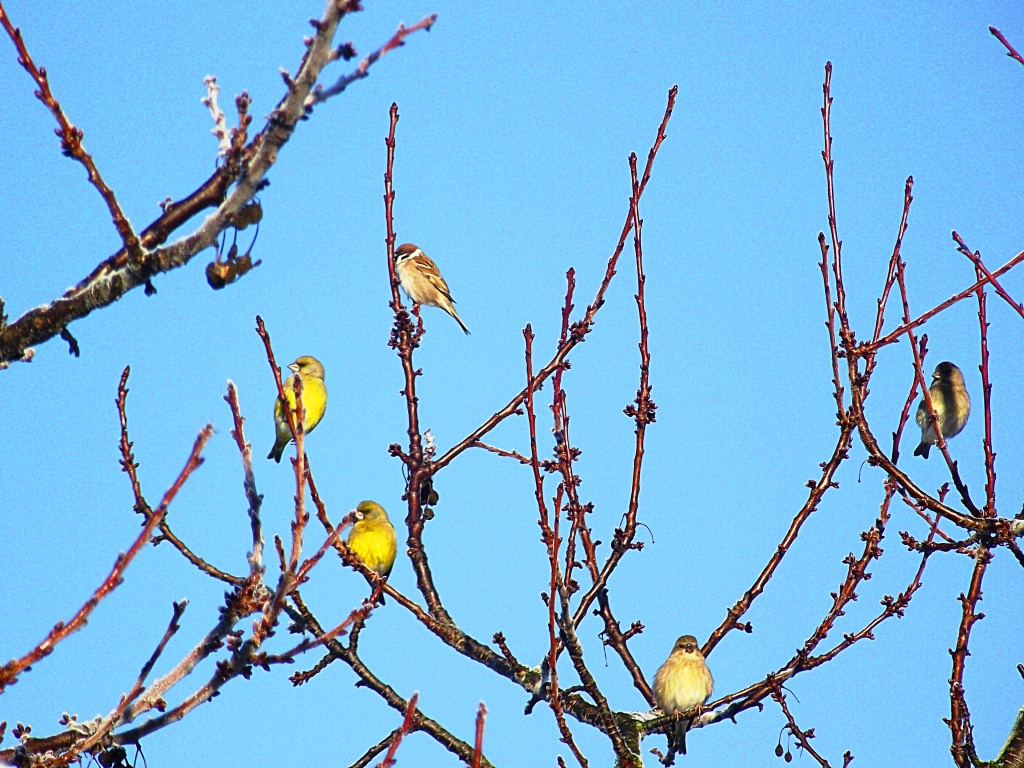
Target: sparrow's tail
{"points": [[458, 319]]}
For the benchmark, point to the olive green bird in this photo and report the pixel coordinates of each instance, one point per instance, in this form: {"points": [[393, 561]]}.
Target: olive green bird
{"points": [[683, 683], [952, 405], [373, 540], [314, 402]]}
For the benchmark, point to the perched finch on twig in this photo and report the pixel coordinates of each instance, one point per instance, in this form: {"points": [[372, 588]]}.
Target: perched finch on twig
{"points": [[952, 405], [314, 402], [422, 282], [683, 683], [373, 539]]}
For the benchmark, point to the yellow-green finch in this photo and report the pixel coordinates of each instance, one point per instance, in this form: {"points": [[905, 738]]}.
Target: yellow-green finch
{"points": [[314, 402], [372, 539], [682, 684], [422, 282], [952, 405]]}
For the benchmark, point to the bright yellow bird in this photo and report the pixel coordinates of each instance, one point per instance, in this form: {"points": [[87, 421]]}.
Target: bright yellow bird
{"points": [[314, 402], [682, 684], [373, 539]]}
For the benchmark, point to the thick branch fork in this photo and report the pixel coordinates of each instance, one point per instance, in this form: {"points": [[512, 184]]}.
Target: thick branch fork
{"points": [[231, 187]]}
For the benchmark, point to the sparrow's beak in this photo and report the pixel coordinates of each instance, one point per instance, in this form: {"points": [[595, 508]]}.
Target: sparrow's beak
{"points": [[294, 367], [358, 514]]}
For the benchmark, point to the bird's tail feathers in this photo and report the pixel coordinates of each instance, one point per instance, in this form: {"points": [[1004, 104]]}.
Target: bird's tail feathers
{"points": [[451, 311], [677, 741]]}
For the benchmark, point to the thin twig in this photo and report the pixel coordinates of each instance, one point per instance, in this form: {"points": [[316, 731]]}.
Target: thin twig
{"points": [[478, 744], [398, 39], [962, 747], [71, 138], [920, 320], [580, 328], [803, 738], [114, 719], [256, 566], [389, 758], [10, 671], [1011, 52]]}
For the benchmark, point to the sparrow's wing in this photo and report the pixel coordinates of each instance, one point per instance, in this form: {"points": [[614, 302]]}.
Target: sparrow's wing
{"points": [[429, 270]]}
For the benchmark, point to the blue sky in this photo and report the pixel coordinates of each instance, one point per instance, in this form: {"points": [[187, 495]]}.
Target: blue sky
{"points": [[511, 167]]}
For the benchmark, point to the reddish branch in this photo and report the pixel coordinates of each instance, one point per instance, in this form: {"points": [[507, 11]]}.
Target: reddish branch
{"points": [[566, 455], [550, 538], [890, 277], [643, 408], [295, 417], [349, 655], [114, 719], [643, 413], [478, 744], [897, 435], [818, 489], [398, 39], [389, 758], [256, 566], [981, 269], [802, 737], [580, 328], [243, 172], [852, 352], [894, 335], [129, 466], [10, 671], [727, 707], [71, 138], [127, 460], [869, 359], [1011, 51], [301, 515], [959, 721], [405, 338], [730, 705], [986, 384], [856, 574]]}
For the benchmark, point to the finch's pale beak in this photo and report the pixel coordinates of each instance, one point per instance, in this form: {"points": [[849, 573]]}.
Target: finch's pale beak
{"points": [[294, 367]]}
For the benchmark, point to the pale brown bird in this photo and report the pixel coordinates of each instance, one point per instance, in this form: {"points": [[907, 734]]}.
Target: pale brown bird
{"points": [[422, 282], [682, 684], [952, 405]]}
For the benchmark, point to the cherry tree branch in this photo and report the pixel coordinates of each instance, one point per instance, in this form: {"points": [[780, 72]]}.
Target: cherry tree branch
{"points": [[230, 189], [10, 671]]}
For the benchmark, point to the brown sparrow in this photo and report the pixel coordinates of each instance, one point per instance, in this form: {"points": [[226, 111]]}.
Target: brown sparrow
{"points": [[422, 282]]}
